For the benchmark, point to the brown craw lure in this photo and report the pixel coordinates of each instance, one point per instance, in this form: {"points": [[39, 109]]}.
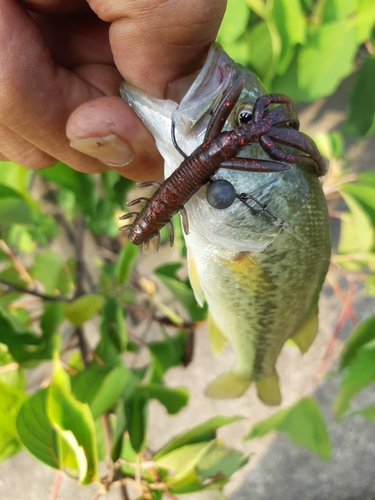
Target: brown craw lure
{"points": [[218, 150]]}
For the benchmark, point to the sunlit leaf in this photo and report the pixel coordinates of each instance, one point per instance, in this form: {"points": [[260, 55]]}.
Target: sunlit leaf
{"points": [[337, 10], [47, 268], [286, 23], [331, 49], [36, 431], [359, 374], [302, 422], [172, 398], [364, 20], [234, 22], [11, 400], [84, 308], [200, 433], [363, 333], [73, 420]]}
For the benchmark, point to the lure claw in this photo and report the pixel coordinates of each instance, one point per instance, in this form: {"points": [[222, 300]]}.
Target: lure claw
{"points": [[127, 227], [142, 199], [128, 215]]}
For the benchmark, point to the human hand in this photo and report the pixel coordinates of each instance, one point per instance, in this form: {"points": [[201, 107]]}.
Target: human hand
{"points": [[58, 80]]}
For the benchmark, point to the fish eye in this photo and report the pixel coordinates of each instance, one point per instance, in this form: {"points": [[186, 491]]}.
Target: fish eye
{"points": [[244, 114], [220, 194]]}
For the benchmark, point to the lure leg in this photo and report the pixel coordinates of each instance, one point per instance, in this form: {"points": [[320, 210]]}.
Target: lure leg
{"points": [[171, 233], [137, 200], [128, 215], [148, 183], [252, 165], [185, 220], [223, 110]]}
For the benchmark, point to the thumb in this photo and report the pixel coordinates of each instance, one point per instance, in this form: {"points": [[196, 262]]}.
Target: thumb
{"points": [[155, 43]]}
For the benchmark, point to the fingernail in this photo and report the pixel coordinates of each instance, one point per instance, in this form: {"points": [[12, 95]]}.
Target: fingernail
{"points": [[110, 150]]}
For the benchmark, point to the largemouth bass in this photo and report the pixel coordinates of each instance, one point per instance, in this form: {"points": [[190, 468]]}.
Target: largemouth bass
{"points": [[261, 262]]}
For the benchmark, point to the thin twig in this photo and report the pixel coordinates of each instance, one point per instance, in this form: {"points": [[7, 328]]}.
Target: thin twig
{"points": [[80, 234], [16, 263], [124, 491], [56, 485], [43, 296], [9, 368], [83, 347]]}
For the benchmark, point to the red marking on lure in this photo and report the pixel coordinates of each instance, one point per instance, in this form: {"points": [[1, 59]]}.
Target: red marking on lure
{"points": [[219, 150]]}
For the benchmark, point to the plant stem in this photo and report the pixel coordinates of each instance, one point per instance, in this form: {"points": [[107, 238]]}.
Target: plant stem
{"points": [[82, 345], [124, 492], [18, 288]]}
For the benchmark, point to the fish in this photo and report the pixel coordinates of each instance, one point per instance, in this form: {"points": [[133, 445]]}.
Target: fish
{"points": [[260, 263]]}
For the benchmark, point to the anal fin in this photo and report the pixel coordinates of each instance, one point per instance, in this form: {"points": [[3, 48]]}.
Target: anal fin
{"points": [[229, 385], [307, 333], [268, 390]]}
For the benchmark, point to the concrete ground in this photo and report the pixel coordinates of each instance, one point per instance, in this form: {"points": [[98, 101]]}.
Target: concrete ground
{"points": [[277, 470]]}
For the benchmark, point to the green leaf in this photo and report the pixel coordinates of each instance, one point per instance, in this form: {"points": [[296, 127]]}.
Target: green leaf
{"points": [[125, 263], [36, 431], [364, 20], [136, 415], [200, 433], [368, 413], [181, 290], [73, 421], [332, 49], [358, 227], [260, 50], [15, 211], [195, 467], [234, 22], [51, 319], [166, 354], [84, 308], [11, 400], [361, 102], [363, 333], [101, 386], [172, 398], [24, 346], [47, 269], [359, 374], [113, 325], [82, 185], [286, 23], [302, 422], [337, 10]]}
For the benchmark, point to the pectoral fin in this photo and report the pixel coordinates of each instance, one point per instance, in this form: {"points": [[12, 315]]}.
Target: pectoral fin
{"points": [[268, 390], [216, 336], [306, 335], [229, 385], [194, 280]]}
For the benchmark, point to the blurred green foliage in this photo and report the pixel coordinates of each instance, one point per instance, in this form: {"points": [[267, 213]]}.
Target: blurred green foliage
{"points": [[93, 404]]}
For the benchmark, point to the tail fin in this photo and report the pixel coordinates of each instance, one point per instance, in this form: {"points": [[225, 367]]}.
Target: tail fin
{"points": [[269, 391], [229, 385]]}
